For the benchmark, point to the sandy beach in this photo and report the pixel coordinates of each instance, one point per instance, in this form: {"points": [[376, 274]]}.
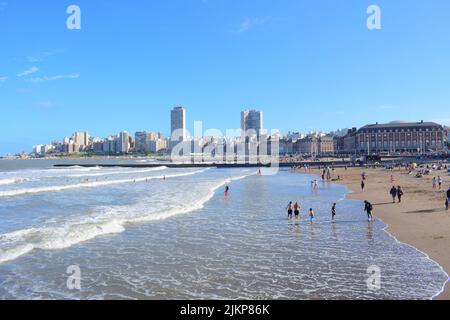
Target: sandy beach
{"points": [[420, 220]]}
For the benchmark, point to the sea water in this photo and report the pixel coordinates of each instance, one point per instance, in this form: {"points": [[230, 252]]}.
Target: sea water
{"points": [[160, 233]]}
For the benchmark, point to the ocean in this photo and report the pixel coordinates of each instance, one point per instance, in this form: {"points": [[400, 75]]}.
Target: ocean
{"points": [[161, 233]]}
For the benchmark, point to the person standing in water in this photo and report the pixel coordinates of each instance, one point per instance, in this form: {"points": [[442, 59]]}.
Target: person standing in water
{"points": [[289, 210], [227, 191], [333, 212], [368, 208], [311, 215], [297, 210]]}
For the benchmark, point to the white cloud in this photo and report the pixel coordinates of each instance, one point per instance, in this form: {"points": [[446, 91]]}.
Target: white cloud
{"points": [[33, 59], [28, 72], [250, 23], [2, 80], [57, 77], [39, 57]]}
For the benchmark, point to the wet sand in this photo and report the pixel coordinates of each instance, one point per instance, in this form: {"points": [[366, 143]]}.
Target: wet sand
{"points": [[420, 220]]}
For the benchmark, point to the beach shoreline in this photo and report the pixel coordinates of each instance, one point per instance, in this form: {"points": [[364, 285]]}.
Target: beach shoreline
{"points": [[420, 221]]}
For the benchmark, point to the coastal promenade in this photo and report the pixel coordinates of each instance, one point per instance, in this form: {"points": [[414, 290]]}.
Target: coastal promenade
{"points": [[209, 165]]}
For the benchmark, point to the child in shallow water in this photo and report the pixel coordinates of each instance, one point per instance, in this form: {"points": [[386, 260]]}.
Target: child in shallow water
{"points": [[311, 215]]}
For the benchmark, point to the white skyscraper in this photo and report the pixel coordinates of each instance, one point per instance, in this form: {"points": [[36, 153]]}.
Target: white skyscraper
{"points": [[124, 142]]}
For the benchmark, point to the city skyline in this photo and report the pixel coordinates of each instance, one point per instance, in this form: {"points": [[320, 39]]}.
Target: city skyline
{"points": [[309, 66], [395, 136]]}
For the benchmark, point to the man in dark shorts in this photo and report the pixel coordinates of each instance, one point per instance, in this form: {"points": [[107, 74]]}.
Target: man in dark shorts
{"points": [[289, 209], [297, 210]]}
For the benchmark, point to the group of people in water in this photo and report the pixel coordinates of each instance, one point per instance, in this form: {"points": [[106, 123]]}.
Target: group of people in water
{"points": [[293, 209]]}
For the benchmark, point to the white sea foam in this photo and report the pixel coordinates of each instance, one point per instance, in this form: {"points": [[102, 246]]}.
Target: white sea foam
{"points": [[11, 181], [82, 175], [94, 184], [112, 220]]}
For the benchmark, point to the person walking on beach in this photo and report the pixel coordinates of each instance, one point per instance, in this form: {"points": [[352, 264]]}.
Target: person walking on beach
{"points": [[368, 208], [434, 183], [400, 193], [363, 185], [393, 193], [448, 199], [440, 182], [311, 215], [297, 210], [289, 210], [333, 212]]}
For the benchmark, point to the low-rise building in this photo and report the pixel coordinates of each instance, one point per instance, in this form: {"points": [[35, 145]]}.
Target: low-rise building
{"points": [[414, 137]]}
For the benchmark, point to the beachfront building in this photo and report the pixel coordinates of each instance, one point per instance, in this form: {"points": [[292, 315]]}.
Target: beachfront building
{"points": [[447, 136], [395, 137], [149, 142], [286, 146], [252, 121], [123, 143], [307, 146], [315, 145], [178, 125], [156, 145], [346, 144], [109, 145], [326, 145], [81, 139]]}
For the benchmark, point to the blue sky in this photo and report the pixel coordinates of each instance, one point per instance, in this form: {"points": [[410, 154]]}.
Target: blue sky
{"points": [[307, 64]]}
